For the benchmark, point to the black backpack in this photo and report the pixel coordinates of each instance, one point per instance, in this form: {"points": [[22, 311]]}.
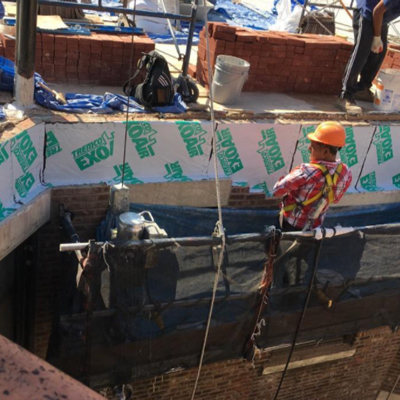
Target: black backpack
{"points": [[157, 88]]}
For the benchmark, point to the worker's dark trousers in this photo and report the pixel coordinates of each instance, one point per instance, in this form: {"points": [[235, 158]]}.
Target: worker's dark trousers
{"points": [[363, 62], [291, 266]]}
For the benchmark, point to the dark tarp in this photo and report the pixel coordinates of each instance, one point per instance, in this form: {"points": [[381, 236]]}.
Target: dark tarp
{"points": [[161, 312]]}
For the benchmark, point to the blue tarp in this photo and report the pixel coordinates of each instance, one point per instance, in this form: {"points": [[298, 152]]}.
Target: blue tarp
{"points": [[83, 103], [224, 11], [106, 104]]}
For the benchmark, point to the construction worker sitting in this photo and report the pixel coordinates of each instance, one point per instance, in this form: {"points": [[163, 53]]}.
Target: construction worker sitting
{"points": [[307, 192], [309, 188]]}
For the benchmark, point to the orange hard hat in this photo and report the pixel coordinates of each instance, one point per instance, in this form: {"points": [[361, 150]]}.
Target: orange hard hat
{"points": [[331, 133]]}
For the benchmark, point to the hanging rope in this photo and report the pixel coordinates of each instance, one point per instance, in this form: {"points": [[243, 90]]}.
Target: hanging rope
{"points": [[303, 313], [129, 97], [220, 225], [393, 388]]}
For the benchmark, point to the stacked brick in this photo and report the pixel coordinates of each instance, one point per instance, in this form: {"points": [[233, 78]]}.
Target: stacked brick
{"points": [[279, 61], [392, 59], [7, 48], [98, 59]]}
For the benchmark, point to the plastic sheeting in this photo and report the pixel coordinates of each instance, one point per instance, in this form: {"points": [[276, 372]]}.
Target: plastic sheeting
{"points": [[381, 170], [21, 167], [156, 151], [224, 11], [186, 221], [107, 104], [255, 153], [156, 309]]}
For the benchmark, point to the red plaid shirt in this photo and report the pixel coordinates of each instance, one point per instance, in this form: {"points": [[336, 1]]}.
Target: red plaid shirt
{"points": [[304, 182]]}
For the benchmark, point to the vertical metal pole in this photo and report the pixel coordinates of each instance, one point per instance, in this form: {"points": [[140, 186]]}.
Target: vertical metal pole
{"points": [[192, 25], [25, 52], [302, 15]]}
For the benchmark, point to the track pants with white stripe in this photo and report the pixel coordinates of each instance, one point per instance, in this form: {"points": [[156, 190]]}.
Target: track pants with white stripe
{"points": [[363, 62]]}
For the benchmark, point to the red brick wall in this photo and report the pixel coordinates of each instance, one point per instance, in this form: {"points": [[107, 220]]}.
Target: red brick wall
{"points": [[279, 62], [240, 197], [393, 374], [98, 59], [392, 59], [89, 204], [357, 378]]}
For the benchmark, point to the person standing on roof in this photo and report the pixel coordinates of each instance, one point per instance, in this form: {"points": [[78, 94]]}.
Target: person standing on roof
{"points": [[308, 189], [370, 24]]}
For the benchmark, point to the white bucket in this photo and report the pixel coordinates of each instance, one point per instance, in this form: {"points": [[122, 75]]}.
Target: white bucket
{"points": [[387, 94], [229, 76]]}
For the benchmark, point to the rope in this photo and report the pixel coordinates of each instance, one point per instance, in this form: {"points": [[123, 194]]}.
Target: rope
{"points": [[393, 388], [129, 98], [311, 284], [220, 225]]}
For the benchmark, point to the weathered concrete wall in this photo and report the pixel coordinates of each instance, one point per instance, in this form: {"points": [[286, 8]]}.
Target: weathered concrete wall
{"points": [[23, 223]]}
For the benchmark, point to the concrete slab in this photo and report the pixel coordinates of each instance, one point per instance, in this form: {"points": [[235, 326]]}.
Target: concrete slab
{"points": [[384, 396], [24, 222], [189, 194]]}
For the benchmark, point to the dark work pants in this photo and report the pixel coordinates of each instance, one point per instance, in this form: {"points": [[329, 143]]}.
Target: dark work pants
{"points": [[291, 267], [363, 61]]}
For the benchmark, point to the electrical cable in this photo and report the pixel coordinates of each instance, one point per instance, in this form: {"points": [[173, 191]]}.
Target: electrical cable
{"points": [[129, 97], [125, 143], [220, 225], [310, 287]]}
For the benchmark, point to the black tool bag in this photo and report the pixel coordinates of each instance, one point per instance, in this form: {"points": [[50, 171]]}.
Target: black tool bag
{"points": [[157, 88]]}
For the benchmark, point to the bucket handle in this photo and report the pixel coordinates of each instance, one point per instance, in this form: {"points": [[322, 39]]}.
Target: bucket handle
{"points": [[148, 213]]}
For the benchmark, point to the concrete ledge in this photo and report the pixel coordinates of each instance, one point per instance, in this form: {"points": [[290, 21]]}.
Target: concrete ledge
{"points": [[309, 361], [370, 198], [189, 194], [24, 222]]}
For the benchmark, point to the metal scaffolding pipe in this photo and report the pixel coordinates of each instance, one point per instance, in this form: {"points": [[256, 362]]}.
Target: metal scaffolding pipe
{"points": [[197, 241], [118, 10], [25, 52], [194, 241], [24, 87], [26, 376]]}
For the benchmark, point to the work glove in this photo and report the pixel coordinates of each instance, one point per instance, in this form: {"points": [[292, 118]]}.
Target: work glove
{"points": [[377, 45]]}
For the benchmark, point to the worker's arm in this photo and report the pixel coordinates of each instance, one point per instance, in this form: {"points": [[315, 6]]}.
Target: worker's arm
{"points": [[290, 182], [377, 19], [346, 183]]}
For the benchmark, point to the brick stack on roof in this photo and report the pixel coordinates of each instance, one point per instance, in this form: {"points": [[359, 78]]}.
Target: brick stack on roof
{"points": [[392, 59], [279, 61], [99, 59]]}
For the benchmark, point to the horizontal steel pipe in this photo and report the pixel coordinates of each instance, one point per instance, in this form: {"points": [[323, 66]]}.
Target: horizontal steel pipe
{"points": [[194, 241], [118, 10]]}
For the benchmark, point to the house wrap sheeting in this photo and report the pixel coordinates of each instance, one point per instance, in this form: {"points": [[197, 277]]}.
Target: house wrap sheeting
{"points": [[249, 153]]}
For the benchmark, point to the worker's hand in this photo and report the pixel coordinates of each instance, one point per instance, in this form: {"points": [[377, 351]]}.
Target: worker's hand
{"points": [[377, 45]]}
